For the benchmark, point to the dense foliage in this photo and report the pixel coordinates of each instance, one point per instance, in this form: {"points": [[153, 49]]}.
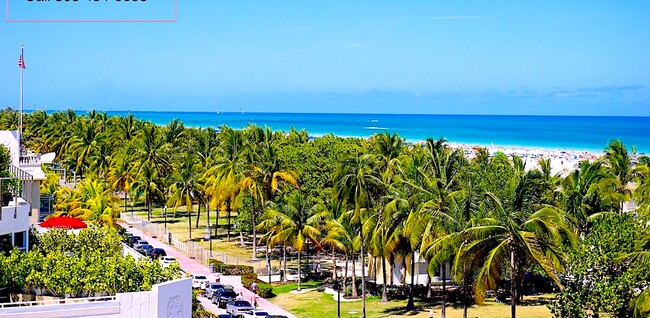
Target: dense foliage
{"points": [[492, 217], [87, 264]]}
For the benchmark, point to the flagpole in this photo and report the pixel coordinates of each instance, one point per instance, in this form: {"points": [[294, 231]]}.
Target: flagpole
{"points": [[20, 127]]}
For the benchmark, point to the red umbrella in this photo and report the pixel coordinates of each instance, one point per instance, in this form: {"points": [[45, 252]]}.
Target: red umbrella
{"points": [[64, 222]]}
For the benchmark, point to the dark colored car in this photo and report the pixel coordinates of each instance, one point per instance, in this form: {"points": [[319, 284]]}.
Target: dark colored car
{"points": [[133, 240], [224, 316], [145, 249], [158, 252], [223, 297]]}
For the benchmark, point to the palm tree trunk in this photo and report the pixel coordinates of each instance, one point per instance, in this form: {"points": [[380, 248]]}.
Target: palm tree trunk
{"points": [[149, 203], [429, 285], [465, 291], [403, 278], [513, 286], [268, 261], [345, 275], [363, 275], [198, 216], [299, 270], [391, 260], [189, 223], [254, 234], [284, 261], [354, 278], [443, 313], [228, 209], [216, 223], [384, 296], [410, 305], [336, 277]]}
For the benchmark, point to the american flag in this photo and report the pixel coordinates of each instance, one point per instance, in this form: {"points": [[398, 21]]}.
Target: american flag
{"points": [[21, 61]]}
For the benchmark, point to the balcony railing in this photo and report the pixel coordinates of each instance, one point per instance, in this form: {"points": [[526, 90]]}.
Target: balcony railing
{"points": [[19, 185]]}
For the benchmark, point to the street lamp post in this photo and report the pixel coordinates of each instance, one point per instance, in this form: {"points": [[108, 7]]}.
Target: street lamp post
{"points": [[208, 236], [338, 299]]}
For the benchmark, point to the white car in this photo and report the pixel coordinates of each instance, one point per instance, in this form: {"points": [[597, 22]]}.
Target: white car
{"points": [[253, 314], [167, 260], [199, 281], [238, 307]]}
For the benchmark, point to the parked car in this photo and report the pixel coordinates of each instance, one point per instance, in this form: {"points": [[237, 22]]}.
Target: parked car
{"points": [[133, 239], [277, 316], [146, 249], [238, 307], [253, 314], [222, 297], [167, 260], [224, 316], [210, 288], [139, 243], [158, 252], [199, 281]]}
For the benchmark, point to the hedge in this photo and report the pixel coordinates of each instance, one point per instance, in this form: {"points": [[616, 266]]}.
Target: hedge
{"points": [[265, 290], [227, 269]]}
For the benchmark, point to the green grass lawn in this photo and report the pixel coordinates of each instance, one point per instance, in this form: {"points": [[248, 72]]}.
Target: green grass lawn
{"points": [[179, 228], [319, 304], [285, 288]]}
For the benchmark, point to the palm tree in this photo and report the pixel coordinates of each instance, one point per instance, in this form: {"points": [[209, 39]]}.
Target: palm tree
{"points": [[264, 175], [148, 183], [342, 238], [297, 217], [356, 183], [587, 191], [515, 229], [619, 165], [185, 187]]}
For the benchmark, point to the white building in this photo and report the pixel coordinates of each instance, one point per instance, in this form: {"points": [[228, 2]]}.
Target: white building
{"points": [[21, 198]]}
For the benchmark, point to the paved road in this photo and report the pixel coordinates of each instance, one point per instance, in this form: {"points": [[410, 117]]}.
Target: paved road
{"points": [[193, 267]]}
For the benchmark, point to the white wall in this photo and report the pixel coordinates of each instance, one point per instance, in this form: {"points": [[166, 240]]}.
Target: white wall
{"points": [[169, 299], [174, 298], [21, 223]]}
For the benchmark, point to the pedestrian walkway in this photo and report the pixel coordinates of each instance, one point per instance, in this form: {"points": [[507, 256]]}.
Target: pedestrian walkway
{"points": [[191, 266]]}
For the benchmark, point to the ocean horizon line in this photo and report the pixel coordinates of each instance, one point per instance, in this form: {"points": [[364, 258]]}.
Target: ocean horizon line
{"points": [[31, 110]]}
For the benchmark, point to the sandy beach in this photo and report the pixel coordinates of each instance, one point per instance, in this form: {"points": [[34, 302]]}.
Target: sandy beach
{"points": [[563, 161]]}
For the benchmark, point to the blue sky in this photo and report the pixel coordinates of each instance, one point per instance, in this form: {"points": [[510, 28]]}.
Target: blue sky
{"points": [[514, 57]]}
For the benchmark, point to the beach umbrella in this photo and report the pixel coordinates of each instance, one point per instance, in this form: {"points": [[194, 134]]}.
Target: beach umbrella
{"points": [[64, 222]]}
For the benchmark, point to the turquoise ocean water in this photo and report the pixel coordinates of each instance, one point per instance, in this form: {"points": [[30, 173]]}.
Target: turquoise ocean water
{"points": [[563, 132]]}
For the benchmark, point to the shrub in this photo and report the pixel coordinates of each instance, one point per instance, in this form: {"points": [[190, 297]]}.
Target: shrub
{"points": [[265, 290]]}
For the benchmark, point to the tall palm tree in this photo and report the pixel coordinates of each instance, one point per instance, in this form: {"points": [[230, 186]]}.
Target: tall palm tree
{"points": [[588, 190], [517, 230], [264, 176], [619, 165], [148, 182], [343, 238], [185, 187], [356, 183], [298, 219]]}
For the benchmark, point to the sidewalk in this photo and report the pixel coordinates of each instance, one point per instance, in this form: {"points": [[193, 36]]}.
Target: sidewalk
{"points": [[191, 266]]}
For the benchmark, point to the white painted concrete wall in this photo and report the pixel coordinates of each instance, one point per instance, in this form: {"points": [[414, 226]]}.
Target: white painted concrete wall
{"points": [[170, 299], [9, 224]]}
